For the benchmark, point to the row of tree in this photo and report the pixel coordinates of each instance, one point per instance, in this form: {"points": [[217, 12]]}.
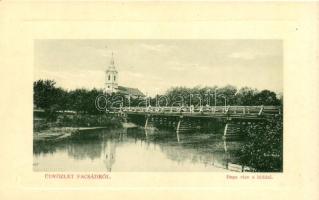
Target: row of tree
{"points": [[229, 95], [49, 97]]}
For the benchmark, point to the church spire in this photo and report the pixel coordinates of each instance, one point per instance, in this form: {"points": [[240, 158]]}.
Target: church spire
{"points": [[112, 59], [111, 77]]}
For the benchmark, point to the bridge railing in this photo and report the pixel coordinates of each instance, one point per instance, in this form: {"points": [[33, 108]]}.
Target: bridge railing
{"points": [[234, 110]]}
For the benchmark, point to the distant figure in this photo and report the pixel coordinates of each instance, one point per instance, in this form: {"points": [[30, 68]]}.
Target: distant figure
{"points": [[157, 109], [201, 109], [192, 108], [207, 107], [181, 109]]}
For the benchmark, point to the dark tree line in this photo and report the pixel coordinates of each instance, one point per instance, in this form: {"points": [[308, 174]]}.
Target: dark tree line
{"points": [[51, 98], [229, 94]]}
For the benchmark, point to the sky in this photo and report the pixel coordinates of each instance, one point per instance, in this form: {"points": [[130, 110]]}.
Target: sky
{"points": [[154, 66]]}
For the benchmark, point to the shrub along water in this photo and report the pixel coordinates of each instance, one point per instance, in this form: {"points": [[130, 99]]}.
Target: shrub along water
{"points": [[86, 120], [263, 149]]}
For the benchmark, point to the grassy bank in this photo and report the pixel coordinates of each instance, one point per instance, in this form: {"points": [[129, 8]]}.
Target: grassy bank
{"points": [[43, 121], [60, 126]]}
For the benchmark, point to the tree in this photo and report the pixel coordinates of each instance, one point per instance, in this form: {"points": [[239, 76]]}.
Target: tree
{"points": [[266, 97], [46, 95], [264, 147], [227, 92], [246, 96], [79, 99]]}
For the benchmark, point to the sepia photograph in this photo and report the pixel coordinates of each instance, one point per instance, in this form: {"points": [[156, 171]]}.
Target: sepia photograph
{"points": [[159, 100], [184, 105]]}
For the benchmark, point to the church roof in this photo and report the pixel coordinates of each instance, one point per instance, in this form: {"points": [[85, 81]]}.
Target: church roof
{"points": [[130, 91]]}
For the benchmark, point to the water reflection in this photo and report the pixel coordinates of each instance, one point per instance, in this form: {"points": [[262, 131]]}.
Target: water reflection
{"points": [[135, 150]]}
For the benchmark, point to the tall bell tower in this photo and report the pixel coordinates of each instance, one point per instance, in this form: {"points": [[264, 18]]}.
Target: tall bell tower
{"points": [[111, 77]]}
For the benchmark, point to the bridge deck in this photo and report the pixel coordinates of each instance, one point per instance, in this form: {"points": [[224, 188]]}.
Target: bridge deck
{"points": [[247, 112]]}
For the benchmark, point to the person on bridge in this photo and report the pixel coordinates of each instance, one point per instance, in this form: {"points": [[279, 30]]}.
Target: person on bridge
{"points": [[192, 108], [207, 107], [201, 109]]}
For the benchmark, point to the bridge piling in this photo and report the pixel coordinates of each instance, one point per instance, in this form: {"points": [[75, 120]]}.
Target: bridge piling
{"points": [[178, 124], [233, 130], [146, 123]]}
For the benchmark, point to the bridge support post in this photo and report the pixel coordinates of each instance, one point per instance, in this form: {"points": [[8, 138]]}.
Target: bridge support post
{"points": [[177, 136], [233, 130], [178, 127], [146, 122], [225, 130], [179, 124]]}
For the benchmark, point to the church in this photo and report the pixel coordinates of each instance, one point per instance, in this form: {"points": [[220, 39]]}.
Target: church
{"points": [[111, 83]]}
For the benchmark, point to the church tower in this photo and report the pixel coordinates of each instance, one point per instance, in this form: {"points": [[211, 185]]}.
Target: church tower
{"points": [[111, 77]]}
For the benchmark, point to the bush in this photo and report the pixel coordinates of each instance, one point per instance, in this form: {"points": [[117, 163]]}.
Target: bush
{"points": [[85, 120], [264, 147]]}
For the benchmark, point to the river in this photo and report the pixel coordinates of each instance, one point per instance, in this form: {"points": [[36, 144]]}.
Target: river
{"points": [[136, 150]]}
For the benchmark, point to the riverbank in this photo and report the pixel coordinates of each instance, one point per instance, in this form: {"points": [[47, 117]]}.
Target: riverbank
{"points": [[64, 125], [61, 133], [42, 121]]}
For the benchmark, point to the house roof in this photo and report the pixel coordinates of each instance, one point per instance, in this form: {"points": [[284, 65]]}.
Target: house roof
{"points": [[130, 91]]}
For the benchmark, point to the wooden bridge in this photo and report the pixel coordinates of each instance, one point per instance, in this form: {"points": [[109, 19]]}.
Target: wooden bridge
{"points": [[242, 112], [229, 119]]}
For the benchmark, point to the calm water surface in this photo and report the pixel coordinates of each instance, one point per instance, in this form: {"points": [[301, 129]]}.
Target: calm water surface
{"points": [[129, 150]]}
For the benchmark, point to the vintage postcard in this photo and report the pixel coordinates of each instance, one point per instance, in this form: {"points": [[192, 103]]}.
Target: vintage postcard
{"points": [[144, 98], [173, 105]]}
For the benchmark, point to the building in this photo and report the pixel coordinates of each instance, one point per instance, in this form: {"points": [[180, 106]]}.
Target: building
{"points": [[134, 92], [111, 78], [111, 83]]}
